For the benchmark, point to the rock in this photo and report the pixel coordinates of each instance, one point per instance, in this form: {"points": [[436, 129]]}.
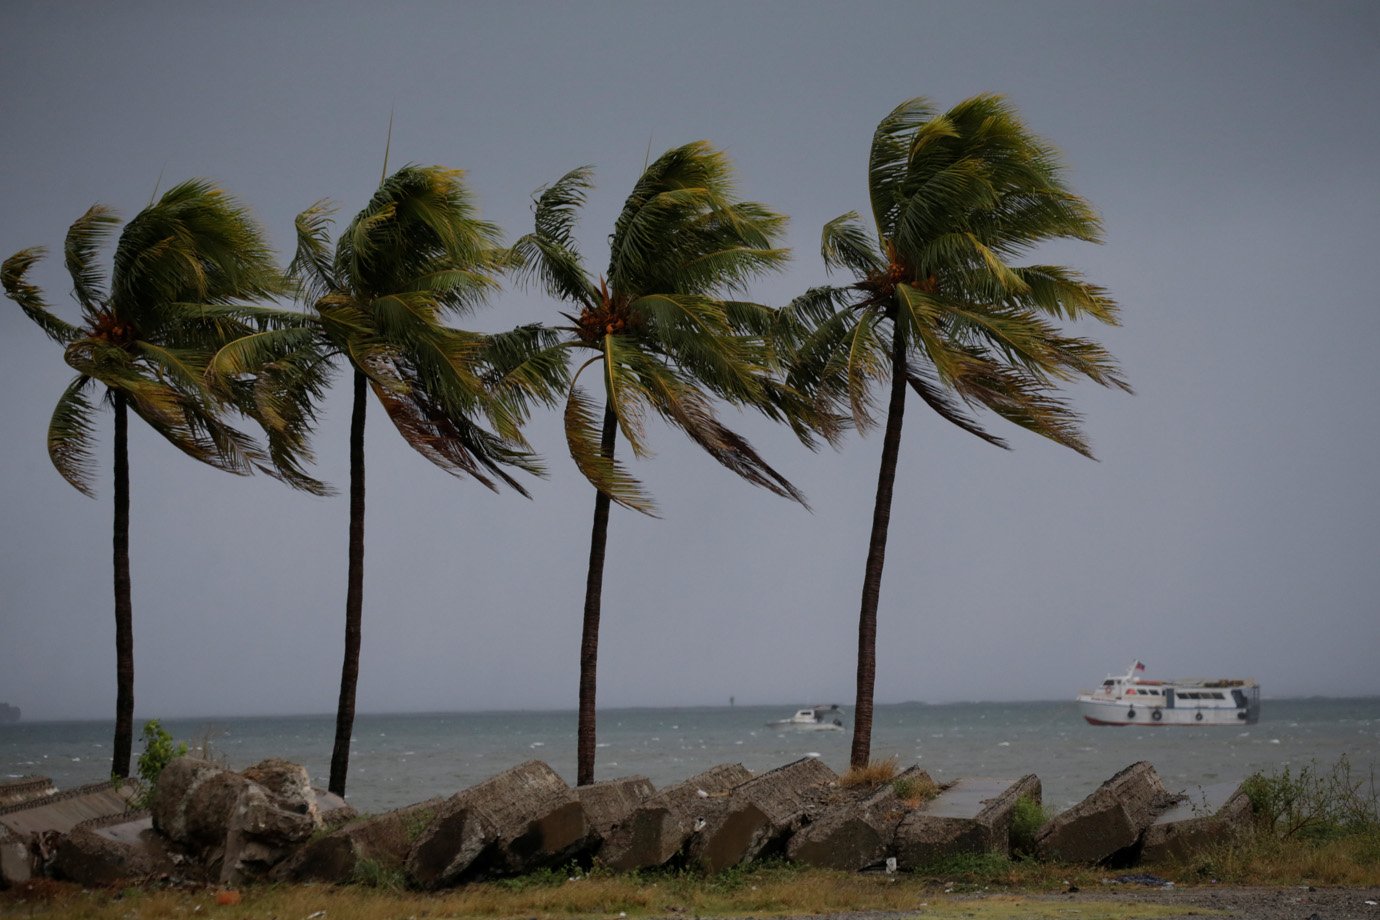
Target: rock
{"points": [[857, 829], [264, 828], [1208, 815], [192, 804], [657, 830], [760, 814], [1109, 820], [335, 811], [973, 815], [107, 851], [385, 840], [24, 790], [521, 819], [610, 802], [288, 783]]}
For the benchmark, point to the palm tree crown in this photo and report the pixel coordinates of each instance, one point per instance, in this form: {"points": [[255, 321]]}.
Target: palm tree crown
{"points": [[663, 324], [183, 268], [939, 306]]}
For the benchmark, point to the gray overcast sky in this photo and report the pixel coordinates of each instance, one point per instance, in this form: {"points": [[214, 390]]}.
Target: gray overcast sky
{"points": [[1231, 527]]}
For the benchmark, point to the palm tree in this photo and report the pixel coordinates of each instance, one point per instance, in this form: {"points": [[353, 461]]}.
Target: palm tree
{"points": [[414, 254], [939, 306], [665, 337], [181, 269]]}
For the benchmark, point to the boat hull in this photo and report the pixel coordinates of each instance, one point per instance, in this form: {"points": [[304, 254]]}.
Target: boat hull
{"points": [[1119, 712]]}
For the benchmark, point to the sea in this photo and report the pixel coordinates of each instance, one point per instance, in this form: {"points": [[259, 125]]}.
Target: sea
{"points": [[399, 759]]}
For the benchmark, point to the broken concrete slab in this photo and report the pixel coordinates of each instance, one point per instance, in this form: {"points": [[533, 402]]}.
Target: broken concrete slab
{"points": [[760, 814], [657, 830], [521, 819], [62, 811], [972, 815], [107, 851], [609, 802], [1109, 820], [385, 840], [857, 828], [1207, 815], [25, 789]]}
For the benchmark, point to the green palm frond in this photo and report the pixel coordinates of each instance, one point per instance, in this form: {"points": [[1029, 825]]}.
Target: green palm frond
{"points": [[527, 365], [845, 244], [686, 407], [582, 435], [84, 240], [626, 395], [30, 299], [890, 157], [69, 436], [312, 265]]}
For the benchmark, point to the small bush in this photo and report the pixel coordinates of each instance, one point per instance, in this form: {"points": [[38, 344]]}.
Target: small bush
{"points": [[1315, 803], [1027, 817], [159, 751]]}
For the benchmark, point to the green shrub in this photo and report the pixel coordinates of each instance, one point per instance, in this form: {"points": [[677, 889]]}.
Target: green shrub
{"points": [[159, 751], [1315, 803], [1027, 817]]}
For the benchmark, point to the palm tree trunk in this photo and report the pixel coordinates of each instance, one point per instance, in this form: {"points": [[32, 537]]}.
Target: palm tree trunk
{"points": [[876, 554], [594, 593], [124, 607], [354, 595]]}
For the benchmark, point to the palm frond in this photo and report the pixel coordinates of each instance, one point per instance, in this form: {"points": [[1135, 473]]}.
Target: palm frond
{"points": [[938, 398], [843, 243], [311, 264], [690, 411], [69, 436], [528, 364], [30, 299], [583, 436], [889, 159], [84, 240]]}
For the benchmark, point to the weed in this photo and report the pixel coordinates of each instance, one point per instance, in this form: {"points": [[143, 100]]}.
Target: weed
{"points": [[371, 873], [914, 790], [1027, 817]]}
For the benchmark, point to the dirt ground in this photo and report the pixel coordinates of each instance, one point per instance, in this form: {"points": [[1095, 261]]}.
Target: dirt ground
{"points": [[1197, 903], [1247, 903]]}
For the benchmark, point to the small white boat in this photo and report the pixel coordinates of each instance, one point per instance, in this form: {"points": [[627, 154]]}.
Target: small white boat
{"points": [[814, 719], [1132, 700]]}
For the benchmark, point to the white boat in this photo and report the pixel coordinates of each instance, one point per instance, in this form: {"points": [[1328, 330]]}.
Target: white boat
{"points": [[814, 719], [1132, 700]]}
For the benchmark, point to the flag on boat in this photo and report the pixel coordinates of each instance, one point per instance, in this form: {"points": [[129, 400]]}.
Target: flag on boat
{"points": [[1139, 666]]}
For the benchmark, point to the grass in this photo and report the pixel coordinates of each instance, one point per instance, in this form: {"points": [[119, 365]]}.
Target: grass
{"points": [[760, 892]]}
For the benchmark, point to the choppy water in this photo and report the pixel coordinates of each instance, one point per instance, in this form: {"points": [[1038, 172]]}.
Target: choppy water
{"points": [[400, 759]]}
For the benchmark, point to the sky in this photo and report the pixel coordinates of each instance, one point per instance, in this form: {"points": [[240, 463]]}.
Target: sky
{"points": [[1230, 525]]}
